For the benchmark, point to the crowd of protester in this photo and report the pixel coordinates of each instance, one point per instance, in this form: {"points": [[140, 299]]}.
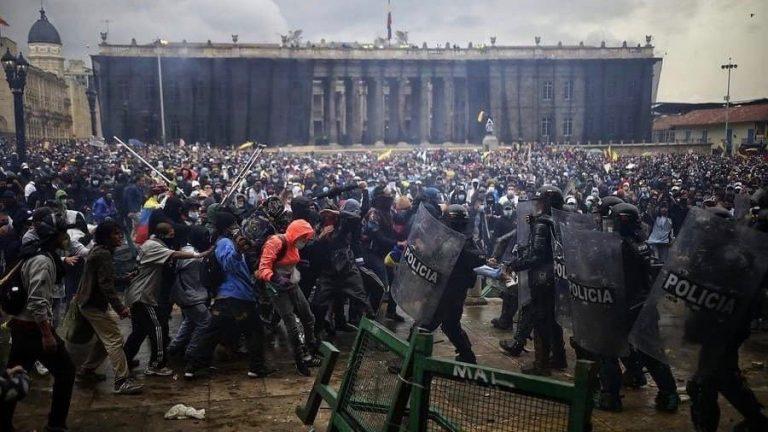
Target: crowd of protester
{"points": [[301, 234]]}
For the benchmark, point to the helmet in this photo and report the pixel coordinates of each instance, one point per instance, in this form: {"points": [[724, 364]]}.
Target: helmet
{"points": [[551, 196], [626, 218], [720, 212], [456, 217], [606, 203], [273, 208]]}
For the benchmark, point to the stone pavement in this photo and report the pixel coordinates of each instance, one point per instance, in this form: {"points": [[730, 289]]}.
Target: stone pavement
{"points": [[234, 402]]}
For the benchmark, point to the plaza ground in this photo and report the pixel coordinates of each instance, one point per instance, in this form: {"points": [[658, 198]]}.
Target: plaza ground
{"points": [[234, 402]]}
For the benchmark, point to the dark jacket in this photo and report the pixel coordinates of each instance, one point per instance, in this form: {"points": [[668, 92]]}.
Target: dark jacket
{"points": [[97, 286], [537, 257], [463, 276]]}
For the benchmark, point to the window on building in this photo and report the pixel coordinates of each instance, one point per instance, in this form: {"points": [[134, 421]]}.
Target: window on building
{"points": [[546, 91], [687, 135], [704, 137], [546, 126], [567, 126], [568, 90]]}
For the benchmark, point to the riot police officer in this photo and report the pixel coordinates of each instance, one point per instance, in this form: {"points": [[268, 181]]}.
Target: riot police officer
{"points": [[461, 279], [640, 271], [537, 259], [721, 373]]}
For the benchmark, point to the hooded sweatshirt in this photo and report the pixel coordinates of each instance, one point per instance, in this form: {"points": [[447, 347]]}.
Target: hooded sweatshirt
{"points": [[269, 263]]}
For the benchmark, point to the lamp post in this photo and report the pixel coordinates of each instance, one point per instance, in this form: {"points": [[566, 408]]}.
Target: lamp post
{"points": [[90, 93], [729, 67], [161, 43], [16, 75]]}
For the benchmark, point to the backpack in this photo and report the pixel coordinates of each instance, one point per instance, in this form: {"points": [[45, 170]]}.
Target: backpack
{"points": [[253, 256], [211, 274], [13, 293]]}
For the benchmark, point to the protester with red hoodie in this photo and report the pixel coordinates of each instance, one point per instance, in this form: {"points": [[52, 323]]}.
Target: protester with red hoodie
{"points": [[277, 268]]}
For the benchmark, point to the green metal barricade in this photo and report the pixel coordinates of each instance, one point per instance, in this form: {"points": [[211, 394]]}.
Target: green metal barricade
{"points": [[391, 385]]}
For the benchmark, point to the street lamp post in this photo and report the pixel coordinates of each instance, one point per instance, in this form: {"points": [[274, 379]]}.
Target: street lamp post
{"points": [[729, 67], [90, 93], [161, 43], [16, 75]]}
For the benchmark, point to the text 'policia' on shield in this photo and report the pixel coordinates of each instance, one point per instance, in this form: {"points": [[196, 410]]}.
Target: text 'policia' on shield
{"points": [[418, 267]]}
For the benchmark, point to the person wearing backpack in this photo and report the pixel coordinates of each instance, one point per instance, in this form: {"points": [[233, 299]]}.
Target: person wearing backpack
{"points": [[235, 301], [277, 268], [32, 332]]}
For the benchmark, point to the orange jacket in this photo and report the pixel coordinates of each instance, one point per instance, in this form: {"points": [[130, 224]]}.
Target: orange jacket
{"points": [[298, 229]]}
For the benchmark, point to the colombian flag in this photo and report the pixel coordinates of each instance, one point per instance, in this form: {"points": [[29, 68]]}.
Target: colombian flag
{"points": [[141, 230]]}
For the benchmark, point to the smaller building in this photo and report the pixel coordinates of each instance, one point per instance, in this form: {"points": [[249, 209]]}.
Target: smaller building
{"points": [[747, 124]]}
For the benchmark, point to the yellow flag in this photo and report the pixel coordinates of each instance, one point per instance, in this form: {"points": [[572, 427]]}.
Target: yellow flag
{"points": [[480, 116], [245, 145], [384, 156]]}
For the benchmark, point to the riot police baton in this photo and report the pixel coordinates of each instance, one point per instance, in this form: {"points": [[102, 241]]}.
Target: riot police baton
{"points": [[243, 173], [144, 161]]}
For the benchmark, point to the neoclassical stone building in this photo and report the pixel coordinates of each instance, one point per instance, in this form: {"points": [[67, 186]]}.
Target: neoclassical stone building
{"points": [[228, 93], [55, 102]]}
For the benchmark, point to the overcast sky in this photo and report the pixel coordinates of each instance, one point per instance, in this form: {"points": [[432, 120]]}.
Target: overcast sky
{"points": [[693, 36]]}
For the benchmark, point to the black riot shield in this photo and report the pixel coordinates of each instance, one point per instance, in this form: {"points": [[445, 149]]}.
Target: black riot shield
{"points": [[599, 312], [524, 209], [704, 291], [562, 291], [426, 263]]}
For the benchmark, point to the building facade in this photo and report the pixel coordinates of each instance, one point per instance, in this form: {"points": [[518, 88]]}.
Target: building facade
{"points": [[747, 126], [352, 93], [55, 102]]}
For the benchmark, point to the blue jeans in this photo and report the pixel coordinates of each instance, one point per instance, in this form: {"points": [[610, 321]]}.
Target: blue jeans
{"points": [[195, 320]]}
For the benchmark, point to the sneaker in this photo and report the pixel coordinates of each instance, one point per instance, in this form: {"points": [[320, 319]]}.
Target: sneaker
{"points": [[512, 348], [161, 372], [303, 368], [501, 325], [89, 376], [261, 372], [394, 316], [128, 387], [313, 360], [40, 369], [667, 402]]}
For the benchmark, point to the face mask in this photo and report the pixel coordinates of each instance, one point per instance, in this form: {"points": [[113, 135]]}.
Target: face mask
{"points": [[462, 197], [95, 182], [218, 191], [300, 244], [193, 215], [179, 178], [508, 213]]}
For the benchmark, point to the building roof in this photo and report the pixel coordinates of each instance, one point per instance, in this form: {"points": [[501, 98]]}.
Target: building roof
{"points": [[703, 117], [674, 108], [43, 31]]}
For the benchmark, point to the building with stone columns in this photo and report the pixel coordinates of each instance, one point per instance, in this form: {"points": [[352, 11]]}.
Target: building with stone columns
{"points": [[55, 102], [349, 93]]}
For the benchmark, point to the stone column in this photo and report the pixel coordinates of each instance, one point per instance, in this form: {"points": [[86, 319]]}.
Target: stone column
{"points": [[424, 114], [375, 110], [395, 114], [354, 114], [329, 116], [449, 103], [495, 91]]}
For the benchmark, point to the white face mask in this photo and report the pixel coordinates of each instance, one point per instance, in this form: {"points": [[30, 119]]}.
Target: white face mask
{"points": [[193, 215], [300, 244]]}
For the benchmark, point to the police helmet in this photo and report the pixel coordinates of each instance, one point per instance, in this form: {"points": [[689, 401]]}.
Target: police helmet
{"points": [[606, 203], [625, 214], [550, 195], [720, 212], [456, 216]]}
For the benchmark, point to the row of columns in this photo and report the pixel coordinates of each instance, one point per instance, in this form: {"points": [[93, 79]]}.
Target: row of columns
{"points": [[391, 109]]}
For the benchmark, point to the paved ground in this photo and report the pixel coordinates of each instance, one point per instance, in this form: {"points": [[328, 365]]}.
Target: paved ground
{"points": [[236, 403]]}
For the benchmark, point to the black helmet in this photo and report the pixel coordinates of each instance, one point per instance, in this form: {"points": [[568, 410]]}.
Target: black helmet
{"points": [[551, 196], [606, 203], [626, 218], [720, 212], [456, 217]]}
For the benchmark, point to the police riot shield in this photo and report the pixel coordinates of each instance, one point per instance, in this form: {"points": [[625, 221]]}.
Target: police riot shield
{"points": [[425, 265], [704, 292], [562, 292], [595, 275], [740, 206], [524, 209]]}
